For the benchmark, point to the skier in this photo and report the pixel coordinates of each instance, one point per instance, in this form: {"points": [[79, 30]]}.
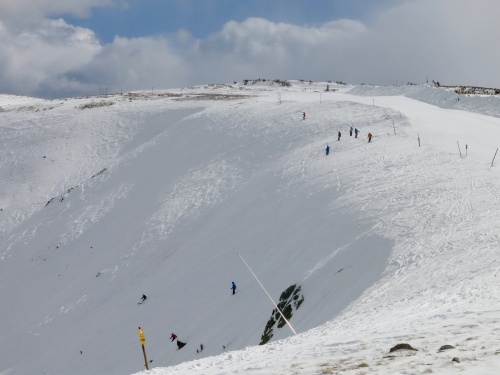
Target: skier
{"points": [[339, 136], [303, 115], [350, 132], [356, 131], [233, 287], [327, 149], [143, 298], [173, 336], [370, 137]]}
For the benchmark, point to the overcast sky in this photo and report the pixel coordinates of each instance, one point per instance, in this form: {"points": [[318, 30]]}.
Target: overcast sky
{"points": [[60, 48]]}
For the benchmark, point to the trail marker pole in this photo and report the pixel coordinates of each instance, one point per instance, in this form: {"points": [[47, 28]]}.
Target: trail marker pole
{"points": [[394, 127], [265, 291], [418, 140], [465, 150], [494, 157], [143, 342], [460, 152]]}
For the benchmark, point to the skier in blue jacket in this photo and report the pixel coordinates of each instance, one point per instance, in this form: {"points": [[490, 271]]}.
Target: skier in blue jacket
{"points": [[233, 287]]}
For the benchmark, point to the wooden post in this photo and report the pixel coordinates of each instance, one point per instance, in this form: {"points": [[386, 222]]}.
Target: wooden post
{"points": [[460, 152], [143, 342], [494, 157], [145, 358]]}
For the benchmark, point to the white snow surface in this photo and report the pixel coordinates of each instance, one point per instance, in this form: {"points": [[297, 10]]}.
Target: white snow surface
{"points": [[103, 199]]}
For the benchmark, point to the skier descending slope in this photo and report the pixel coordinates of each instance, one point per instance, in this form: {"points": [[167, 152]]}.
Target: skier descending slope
{"points": [[233, 287], [143, 299]]}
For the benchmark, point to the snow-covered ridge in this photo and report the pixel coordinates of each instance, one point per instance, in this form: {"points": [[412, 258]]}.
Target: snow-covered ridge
{"points": [[443, 97], [157, 193]]}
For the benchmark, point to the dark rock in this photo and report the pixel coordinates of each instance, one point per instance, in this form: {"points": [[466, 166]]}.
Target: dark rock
{"points": [[402, 347], [455, 359], [446, 347]]}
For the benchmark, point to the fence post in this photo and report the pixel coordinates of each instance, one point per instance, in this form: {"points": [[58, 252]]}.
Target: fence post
{"points": [[494, 157]]}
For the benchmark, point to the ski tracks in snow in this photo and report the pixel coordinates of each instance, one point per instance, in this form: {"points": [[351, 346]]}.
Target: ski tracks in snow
{"points": [[194, 193], [434, 220]]}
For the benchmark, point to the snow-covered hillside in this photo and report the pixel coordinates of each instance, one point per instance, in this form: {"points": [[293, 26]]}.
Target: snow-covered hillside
{"points": [[106, 199]]}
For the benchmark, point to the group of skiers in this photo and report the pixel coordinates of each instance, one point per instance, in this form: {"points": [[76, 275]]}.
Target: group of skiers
{"points": [[356, 132], [173, 336]]}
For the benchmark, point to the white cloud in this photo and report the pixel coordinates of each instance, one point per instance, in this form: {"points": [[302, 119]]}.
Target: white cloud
{"points": [[452, 41], [57, 59], [260, 48], [32, 57], [131, 64]]}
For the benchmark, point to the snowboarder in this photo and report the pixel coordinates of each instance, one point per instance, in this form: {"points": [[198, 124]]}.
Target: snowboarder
{"points": [[173, 336], [339, 136], [143, 298], [327, 149], [350, 132], [233, 287], [356, 131], [303, 115], [370, 137]]}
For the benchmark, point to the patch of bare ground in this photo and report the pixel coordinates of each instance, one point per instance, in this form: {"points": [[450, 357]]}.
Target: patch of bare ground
{"points": [[212, 96], [151, 96]]}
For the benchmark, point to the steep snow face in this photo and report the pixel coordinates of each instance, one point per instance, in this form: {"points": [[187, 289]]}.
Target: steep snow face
{"points": [[385, 239]]}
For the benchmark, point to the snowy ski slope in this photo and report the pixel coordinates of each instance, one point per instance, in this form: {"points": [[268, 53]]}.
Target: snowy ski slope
{"points": [[104, 199]]}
